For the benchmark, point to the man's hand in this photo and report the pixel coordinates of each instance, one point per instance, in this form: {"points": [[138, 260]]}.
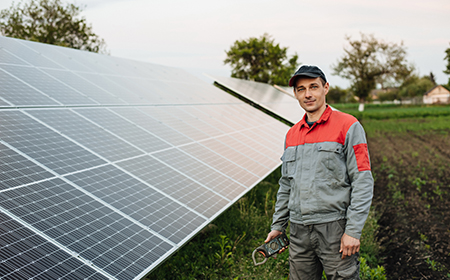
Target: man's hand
{"points": [[274, 233], [349, 245]]}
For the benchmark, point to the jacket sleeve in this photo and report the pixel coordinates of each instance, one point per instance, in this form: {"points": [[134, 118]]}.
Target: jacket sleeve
{"points": [[281, 215], [359, 171]]}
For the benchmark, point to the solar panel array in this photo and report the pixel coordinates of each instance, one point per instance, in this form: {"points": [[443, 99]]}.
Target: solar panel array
{"points": [[275, 99], [108, 166]]}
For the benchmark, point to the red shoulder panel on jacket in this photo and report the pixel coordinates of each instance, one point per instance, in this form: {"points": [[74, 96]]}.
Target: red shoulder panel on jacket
{"points": [[334, 129]]}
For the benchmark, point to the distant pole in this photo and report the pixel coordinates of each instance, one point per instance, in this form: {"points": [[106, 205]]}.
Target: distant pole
{"points": [[361, 107]]}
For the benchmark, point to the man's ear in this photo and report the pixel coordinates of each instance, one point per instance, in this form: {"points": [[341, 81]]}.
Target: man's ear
{"points": [[326, 87]]}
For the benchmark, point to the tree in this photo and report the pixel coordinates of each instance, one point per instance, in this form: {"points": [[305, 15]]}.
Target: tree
{"points": [[447, 58], [49, 21], [414, 86], [369, 62], [336, 95], [261, 60]]}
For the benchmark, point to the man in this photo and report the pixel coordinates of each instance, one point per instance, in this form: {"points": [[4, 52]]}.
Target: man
{"points": [[326, 185]]}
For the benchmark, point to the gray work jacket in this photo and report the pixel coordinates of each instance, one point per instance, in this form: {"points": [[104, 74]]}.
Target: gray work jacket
{"points": [[326, 174]]}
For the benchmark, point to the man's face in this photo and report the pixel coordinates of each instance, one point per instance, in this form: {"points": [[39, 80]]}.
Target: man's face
{"points": [[310, 93]]}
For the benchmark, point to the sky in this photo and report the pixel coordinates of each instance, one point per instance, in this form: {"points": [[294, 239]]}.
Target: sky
{"points": [[194, 35]]}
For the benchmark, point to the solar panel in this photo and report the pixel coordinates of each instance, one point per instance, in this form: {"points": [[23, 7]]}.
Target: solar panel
{"points": [[277, 100], [108, 166]]}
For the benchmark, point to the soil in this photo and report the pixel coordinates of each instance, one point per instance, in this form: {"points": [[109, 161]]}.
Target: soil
{"points": [[412, 198]]}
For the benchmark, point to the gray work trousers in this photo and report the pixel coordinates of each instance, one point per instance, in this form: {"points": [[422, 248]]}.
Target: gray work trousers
{"points": [[315, 248]]}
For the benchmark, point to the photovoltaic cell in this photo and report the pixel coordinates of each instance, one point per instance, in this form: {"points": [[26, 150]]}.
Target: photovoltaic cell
{"points": [[82, 224], [132, 197], [61, 57], [79, 84], [16, 170], [200, 172], [8, 58], [142, 117], [218, 162], [196, 119], [260, 142], [17, 93], [239, 158], [3, 103], [223, 125], [26, 54], [26, 255], [87, 134], [44, 145], [225, 117], [246, 148], [141, 92], [175, 184], [108, 83], [108, 165], [125, 129], [44, 83], [168, 117]]}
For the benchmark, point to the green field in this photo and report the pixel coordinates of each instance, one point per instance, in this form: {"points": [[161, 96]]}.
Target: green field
{"points": [[402, 162]]}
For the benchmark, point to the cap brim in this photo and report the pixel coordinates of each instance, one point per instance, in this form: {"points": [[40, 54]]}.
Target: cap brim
{"points": [[310, 75]]}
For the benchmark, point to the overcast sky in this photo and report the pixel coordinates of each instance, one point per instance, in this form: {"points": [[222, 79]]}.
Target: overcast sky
{"points": [[194, 34]]}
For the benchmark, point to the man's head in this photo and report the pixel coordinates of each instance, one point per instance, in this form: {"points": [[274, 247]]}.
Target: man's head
{"points": [[310, 88], [309, 71]]}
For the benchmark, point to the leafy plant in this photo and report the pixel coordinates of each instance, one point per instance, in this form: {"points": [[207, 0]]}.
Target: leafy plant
{"points": [[367, 273], [419, 183], [224, 254], [435, 266]]}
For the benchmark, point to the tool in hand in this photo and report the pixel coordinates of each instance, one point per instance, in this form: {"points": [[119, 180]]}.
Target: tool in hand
{"points": [[271, 248]]}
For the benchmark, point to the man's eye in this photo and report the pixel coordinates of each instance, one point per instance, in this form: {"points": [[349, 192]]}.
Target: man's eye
{"points": [[300, 89], [314, 87]]}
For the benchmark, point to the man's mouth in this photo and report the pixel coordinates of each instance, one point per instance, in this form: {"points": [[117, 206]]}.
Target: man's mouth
{"points": [[309, 101]]}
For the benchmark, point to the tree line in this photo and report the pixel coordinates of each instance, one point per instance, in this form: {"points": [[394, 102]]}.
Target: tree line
{"points": [[368, 63], [51, 22]]}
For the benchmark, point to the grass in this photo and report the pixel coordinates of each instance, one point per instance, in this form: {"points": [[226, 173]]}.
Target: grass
{"points": [[378, 118], [394, 112]]}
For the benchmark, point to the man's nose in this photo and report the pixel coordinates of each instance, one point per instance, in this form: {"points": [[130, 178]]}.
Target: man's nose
{"points": [[308, 93]]}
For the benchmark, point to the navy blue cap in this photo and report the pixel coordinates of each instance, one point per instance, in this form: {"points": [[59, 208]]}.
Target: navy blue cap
{"points": [[311, 71]]}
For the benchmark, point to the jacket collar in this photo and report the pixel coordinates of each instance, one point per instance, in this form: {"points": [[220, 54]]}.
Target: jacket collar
{"points": [[325, 116]]}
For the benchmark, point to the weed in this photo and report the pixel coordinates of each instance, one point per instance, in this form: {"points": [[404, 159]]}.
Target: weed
{"points": [[423, 237], [434, 265], [367, 273], [419, 183], [370, 247], [437, 191], [224, 254]]}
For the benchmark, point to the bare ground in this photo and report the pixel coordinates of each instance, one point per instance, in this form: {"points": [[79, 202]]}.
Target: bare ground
{"points": [[412, 193]]}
